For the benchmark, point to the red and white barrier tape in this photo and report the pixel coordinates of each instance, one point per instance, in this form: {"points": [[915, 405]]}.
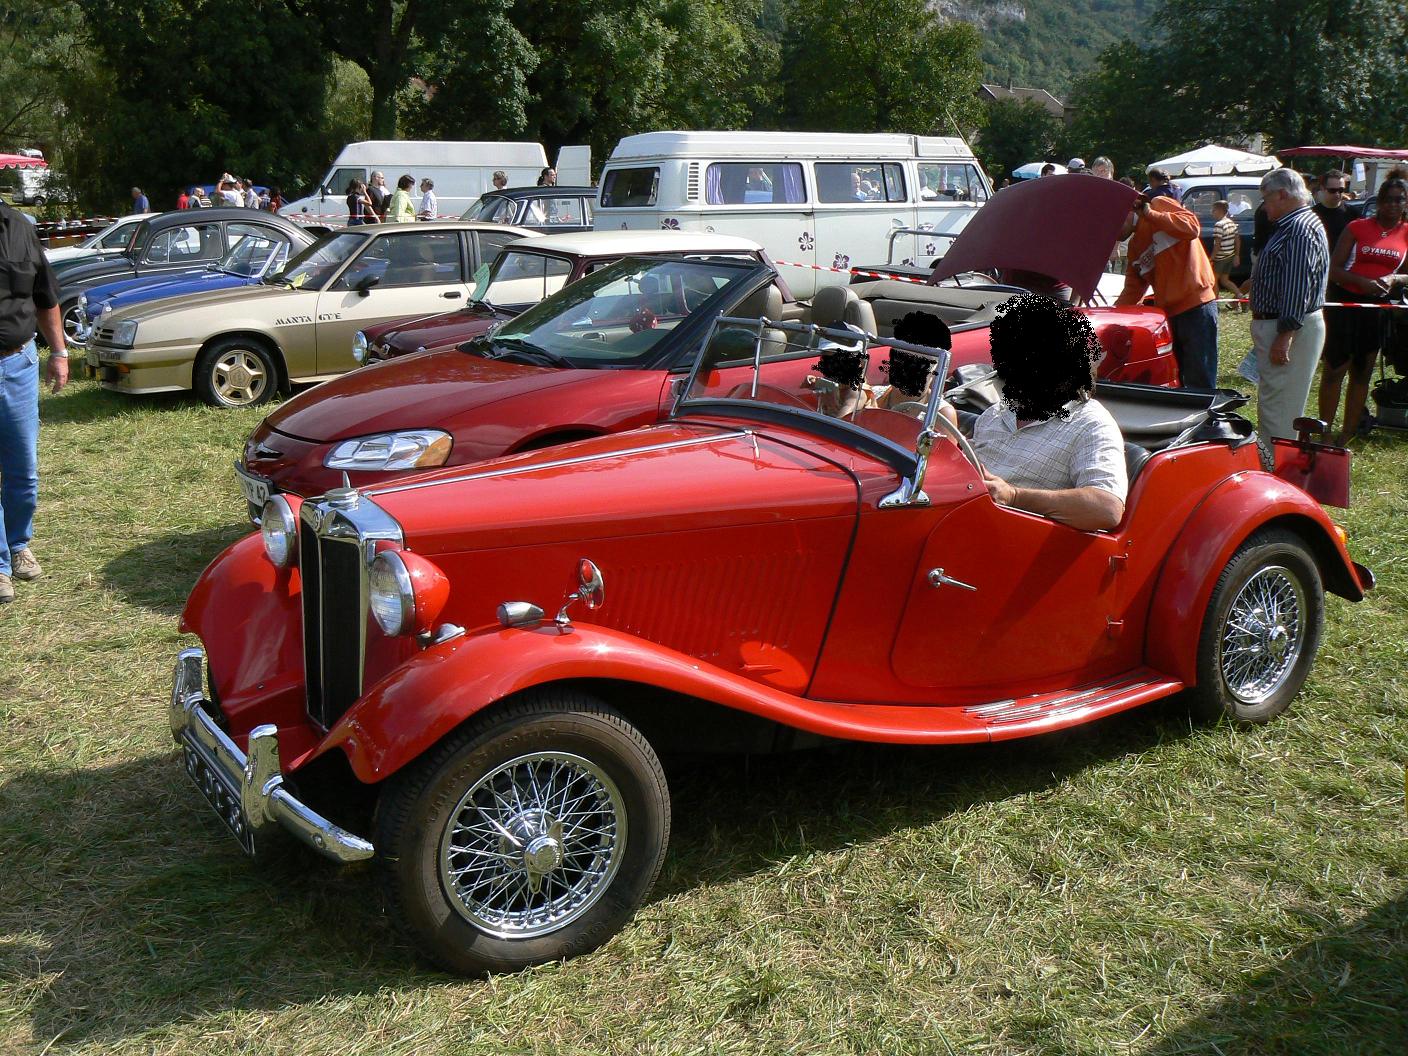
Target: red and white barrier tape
{"points": [[852, 271]]}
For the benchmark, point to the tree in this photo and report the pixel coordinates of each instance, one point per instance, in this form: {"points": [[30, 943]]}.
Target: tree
{"points": [[178, 97], [885, 66], [1017, 131], [1315, 71]]}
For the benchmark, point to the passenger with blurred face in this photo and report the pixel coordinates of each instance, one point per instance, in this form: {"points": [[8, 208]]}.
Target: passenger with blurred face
{"points": [[1103, 167]]}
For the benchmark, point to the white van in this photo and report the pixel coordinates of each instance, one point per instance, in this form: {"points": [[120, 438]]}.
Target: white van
{"points": [[461, 171], [812, 199]]}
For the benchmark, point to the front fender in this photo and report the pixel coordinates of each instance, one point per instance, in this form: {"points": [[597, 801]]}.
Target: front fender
{"points": [[248, 615], [436, 690], [1232, 512]]}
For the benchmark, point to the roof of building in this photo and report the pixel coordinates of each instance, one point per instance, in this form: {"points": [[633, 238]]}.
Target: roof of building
{"points": [[1036, 95]]}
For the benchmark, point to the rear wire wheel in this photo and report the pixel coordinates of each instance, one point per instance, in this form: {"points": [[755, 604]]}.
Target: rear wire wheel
{"points": [[1261, 630], [530, 836]]}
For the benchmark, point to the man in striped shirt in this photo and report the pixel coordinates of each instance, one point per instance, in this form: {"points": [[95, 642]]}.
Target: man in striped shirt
{"points": [[1287, 292]]}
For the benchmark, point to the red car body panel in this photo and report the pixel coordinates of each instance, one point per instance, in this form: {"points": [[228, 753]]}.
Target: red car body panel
{"points": [[755, 570]]}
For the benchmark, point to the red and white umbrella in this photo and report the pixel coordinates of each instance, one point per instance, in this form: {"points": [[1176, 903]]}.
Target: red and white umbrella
{"points": [[21, 161]]}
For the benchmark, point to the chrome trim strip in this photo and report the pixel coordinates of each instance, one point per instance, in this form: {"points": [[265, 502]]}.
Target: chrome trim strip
{"points": [[1014, 710], [258, 775], [509, 471]]}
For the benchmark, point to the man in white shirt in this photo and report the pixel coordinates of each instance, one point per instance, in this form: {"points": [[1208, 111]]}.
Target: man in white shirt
{"points": [[1049, 447], [429, 207], [251, 196]]}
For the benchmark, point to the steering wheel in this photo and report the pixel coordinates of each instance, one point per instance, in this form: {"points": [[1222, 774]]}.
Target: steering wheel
{"points": [[642, 319]]}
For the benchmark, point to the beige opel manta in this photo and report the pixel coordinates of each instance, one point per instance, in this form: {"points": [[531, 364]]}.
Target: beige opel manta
{"points": [[238, 347]]}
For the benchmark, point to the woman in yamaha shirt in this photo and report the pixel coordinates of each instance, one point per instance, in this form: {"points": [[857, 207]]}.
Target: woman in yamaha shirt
{"points": [[1368, 262]]}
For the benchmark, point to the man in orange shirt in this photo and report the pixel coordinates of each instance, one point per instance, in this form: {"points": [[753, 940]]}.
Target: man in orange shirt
{"points": [[1166, 253]]}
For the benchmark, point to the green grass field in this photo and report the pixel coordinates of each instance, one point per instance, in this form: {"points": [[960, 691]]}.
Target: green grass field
{"points": [[1142, 885]]}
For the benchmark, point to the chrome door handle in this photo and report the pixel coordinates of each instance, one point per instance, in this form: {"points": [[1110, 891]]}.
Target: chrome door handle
{"points": [[938, 579]]}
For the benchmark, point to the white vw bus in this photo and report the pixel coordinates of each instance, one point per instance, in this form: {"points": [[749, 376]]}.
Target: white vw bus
{"points": [[827, 199]]}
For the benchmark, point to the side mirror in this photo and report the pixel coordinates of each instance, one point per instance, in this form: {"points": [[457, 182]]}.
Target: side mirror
{"points": [[364, 285]]}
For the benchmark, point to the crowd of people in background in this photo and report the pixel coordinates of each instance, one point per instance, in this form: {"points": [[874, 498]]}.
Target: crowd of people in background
{"points": [[228, 191]]}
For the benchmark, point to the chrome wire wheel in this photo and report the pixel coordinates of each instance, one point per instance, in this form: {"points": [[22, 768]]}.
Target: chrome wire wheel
{"points": [[1263, 635], [533, 844], [239, 376]]}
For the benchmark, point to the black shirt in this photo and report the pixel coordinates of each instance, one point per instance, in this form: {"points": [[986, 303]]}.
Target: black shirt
{"points": [[1335, 221], [26, 280]]}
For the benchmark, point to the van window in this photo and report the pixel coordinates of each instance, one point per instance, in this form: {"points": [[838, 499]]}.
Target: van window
{"points": [[745, 183], [627, 187], [340, 178], [1200, 201], [950, 182], [859, 181]]}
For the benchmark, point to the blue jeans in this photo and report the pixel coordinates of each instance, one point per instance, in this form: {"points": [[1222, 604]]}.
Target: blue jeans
{"points": [[1195, 346], [19, 450]]}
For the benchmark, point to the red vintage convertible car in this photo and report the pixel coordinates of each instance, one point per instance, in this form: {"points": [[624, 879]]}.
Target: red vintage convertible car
{"points": [[386, 679], [646, 318]]}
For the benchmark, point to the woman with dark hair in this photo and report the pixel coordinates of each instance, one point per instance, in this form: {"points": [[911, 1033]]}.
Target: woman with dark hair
{"points": [[1368, 262], [548, 177], [1049, 447], [359, 205]]}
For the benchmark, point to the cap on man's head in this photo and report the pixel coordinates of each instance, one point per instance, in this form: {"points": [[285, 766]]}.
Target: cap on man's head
{"points": [[1076, 165]]}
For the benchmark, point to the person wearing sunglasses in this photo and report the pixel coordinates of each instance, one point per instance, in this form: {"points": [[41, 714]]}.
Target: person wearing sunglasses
{"points": [[1369, 261]]}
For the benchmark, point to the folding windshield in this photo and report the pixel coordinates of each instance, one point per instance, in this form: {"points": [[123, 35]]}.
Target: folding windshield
{"points": [[319, 262], [622, 314], [253, 254], [876, 392]]}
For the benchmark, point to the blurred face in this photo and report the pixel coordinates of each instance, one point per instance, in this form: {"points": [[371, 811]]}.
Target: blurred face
{"points": [[1391, 205], [500, 182], [552, 177], [1104, 171]]}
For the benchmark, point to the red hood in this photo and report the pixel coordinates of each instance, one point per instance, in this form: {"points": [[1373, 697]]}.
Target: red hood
{"points": [[1061, 226], [433, 331], [431, 389]]}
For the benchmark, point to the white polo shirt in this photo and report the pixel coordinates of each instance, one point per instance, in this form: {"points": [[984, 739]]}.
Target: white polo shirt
{"points": [[1085, 450]]}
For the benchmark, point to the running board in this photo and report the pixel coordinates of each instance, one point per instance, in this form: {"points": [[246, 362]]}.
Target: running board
{"points": [[1020, 716]]}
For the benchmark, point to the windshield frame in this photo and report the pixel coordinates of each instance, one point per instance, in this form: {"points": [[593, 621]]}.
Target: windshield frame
{"points": [[908, 462], [666, 350], [327, 240]]}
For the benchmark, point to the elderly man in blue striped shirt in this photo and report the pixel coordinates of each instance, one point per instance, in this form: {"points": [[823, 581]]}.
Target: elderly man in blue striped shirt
{"points": [[1287, 292]]}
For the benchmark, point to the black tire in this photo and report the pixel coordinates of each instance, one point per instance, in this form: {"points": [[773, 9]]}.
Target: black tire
{"points": [[1265, 452], [1228, 685], [236, 372], [553, 731]]}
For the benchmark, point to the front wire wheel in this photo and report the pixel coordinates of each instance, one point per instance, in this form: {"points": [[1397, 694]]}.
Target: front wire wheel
{"points": [[532, 835], [1261, 630]]}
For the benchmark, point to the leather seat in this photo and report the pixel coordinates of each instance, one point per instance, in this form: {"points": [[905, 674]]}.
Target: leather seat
{"points": [[765, 303], [838, 306]]}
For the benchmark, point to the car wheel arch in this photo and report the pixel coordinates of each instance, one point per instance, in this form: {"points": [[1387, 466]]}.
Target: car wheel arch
{"points": [[264, 340], [1187, 579]]}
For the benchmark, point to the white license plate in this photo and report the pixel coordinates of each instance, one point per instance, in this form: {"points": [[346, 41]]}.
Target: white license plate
{"points": [[256, 489]]}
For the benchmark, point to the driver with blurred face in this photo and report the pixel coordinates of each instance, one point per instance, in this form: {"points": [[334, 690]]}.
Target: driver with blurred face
{"points": [[1049, 447]]}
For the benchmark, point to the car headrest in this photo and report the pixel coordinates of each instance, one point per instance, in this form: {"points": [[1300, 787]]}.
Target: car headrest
{"points": [[766, 302], [829, 305]]}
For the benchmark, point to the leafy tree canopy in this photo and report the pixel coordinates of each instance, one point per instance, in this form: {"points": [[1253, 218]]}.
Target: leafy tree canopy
{"points": [[1017, 131]]}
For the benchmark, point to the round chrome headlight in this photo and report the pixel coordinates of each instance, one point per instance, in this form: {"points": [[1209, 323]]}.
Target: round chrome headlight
{"points": [[359, 347], [391, 595], [279, 528]]}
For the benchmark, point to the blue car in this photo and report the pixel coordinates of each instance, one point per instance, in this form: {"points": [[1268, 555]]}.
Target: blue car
{"points": [[251, 258]]}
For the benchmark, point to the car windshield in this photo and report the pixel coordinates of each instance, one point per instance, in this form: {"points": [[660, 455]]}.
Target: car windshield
{"points": [[493, 209], [252, 255], [319, 262], [619, 315], [838, 381]]}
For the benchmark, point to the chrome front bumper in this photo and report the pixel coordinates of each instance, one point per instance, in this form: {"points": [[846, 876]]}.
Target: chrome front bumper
{"points": [[246, 790]]}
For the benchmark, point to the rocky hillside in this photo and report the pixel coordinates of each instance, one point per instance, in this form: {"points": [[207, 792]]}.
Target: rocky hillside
{"points": [[1047, 43]]}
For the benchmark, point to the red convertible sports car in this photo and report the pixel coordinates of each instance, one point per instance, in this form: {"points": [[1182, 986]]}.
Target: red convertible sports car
{"points": [[381, 674], [644, 319]]}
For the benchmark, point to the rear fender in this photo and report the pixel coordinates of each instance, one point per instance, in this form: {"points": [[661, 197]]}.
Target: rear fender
{"points": [[1232, 512]]}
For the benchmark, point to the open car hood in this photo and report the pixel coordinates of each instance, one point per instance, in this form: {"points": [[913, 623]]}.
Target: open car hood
{"points": [[1061, 226]]}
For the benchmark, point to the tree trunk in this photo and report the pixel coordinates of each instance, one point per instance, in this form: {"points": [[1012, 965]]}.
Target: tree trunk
{"points": [[383, 109]]}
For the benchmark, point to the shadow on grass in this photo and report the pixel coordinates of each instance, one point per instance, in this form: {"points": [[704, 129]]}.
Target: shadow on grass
{"points": [[1344, 993], [159, 573], [87, 402], [137, 912]]}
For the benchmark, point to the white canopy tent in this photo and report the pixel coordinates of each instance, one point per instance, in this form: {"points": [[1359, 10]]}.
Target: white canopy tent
{"points": [[1213, 160]]}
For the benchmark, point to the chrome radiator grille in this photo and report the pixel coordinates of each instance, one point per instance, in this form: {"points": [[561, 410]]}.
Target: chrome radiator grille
{"points": [[337, 539]]}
